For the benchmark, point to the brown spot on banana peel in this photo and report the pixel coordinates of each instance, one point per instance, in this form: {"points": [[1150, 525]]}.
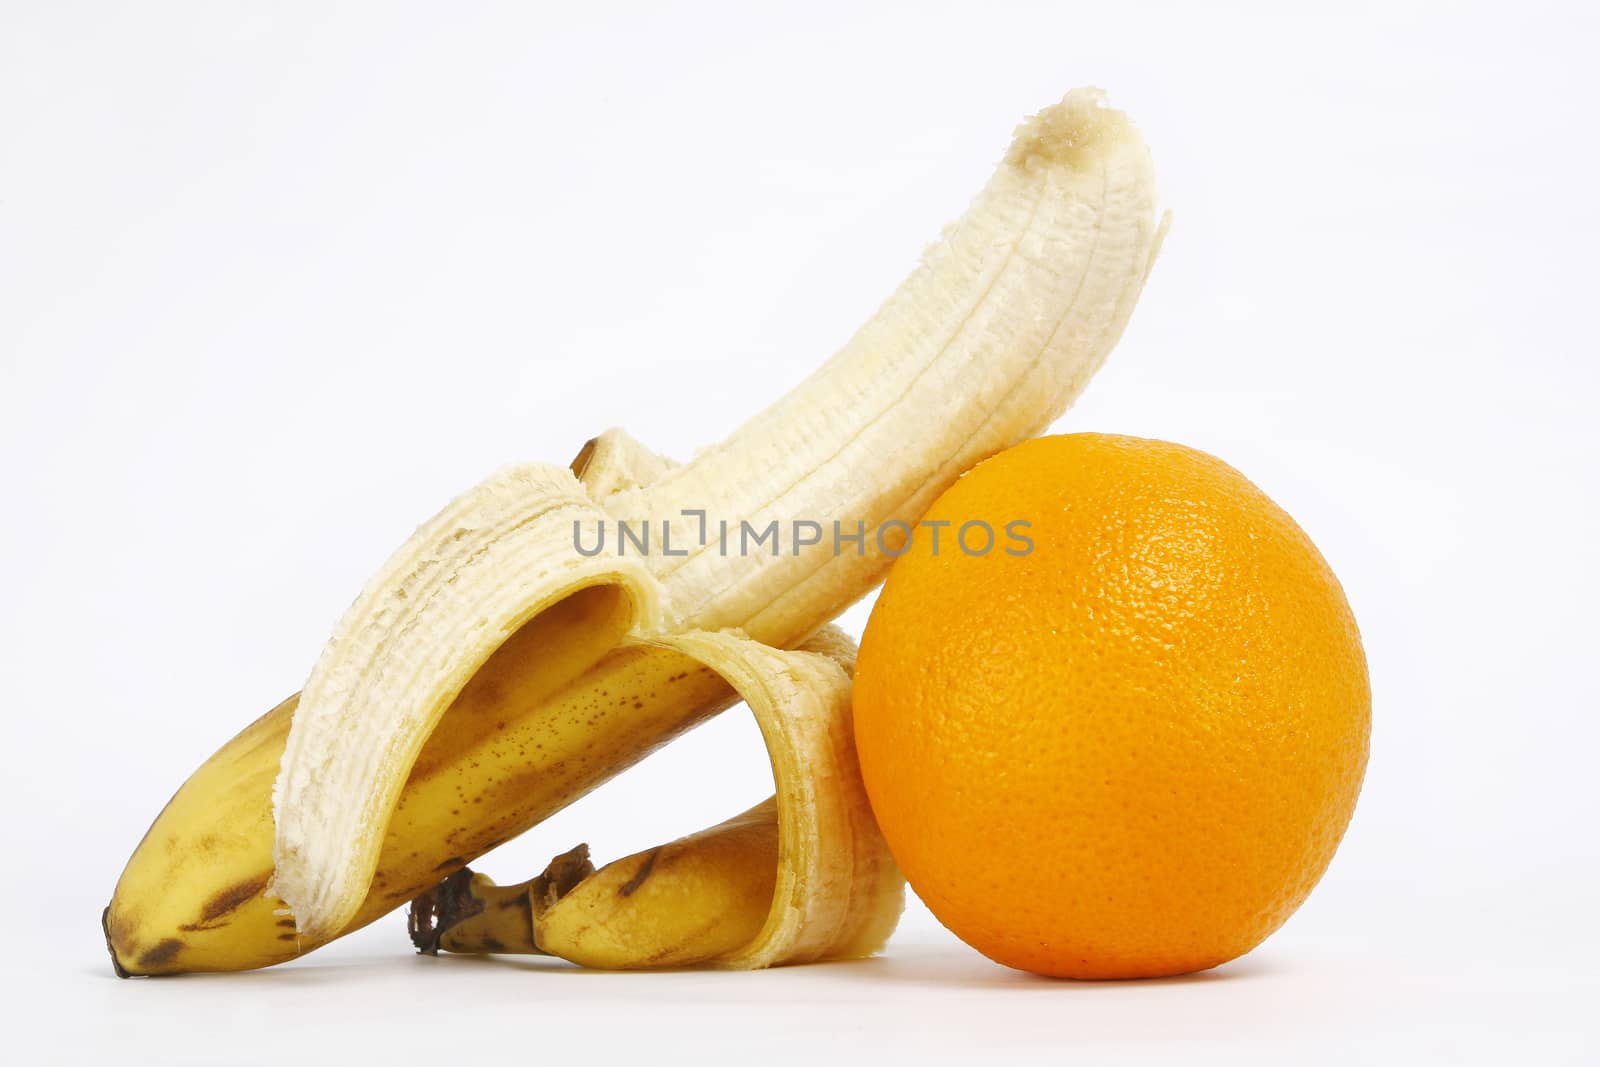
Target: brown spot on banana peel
{"points": [[628, 888], [162, 952], [227, 901]]}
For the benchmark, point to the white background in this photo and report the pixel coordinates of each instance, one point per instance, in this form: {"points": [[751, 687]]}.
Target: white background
{"points": [[274, 285]]}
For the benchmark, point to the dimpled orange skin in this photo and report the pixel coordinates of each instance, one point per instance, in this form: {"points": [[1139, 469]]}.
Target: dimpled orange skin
{"points": [[1132, 751]]}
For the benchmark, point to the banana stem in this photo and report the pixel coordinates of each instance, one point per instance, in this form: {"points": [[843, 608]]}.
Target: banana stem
{"points": [[468, 914]]}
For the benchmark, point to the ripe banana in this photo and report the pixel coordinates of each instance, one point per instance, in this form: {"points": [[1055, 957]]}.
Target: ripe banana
{"points": [[728, 895], [493, 672], [697, 899]]}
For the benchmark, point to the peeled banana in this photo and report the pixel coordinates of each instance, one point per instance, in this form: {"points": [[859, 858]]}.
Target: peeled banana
{"points": [[496, 668]]}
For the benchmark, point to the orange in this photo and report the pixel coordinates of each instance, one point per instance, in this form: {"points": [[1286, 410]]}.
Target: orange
{"points": [[1125, 740]]}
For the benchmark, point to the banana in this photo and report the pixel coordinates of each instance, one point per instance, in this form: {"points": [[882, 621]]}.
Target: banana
{"points": [[696, 899], [493, 671], [701, 899], [712, 897], [517, 745], [192, 897]]}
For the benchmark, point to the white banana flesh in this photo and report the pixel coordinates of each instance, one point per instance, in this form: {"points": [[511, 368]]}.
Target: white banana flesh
{"points": [[990, 338], [986, 343]]}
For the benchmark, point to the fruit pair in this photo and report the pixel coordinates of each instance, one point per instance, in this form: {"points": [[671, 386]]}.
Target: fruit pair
{"points": [[1128, 750]]}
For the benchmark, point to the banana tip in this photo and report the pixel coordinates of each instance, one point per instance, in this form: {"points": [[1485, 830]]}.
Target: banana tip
{"points": [[1070, 132], [105, 927]]}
